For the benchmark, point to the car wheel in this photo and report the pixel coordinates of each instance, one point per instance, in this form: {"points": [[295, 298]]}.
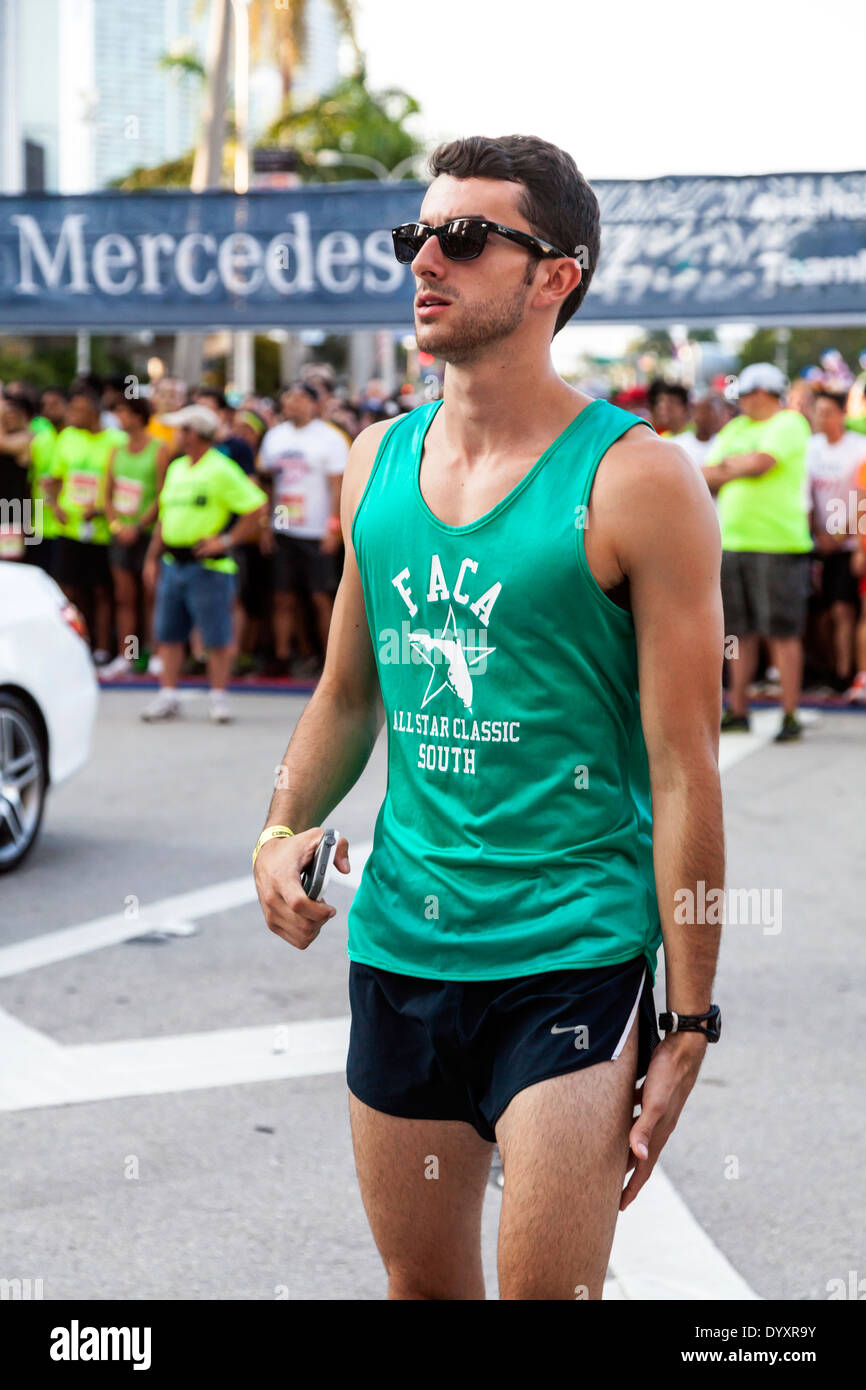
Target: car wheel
{"points": [[22, 780]]}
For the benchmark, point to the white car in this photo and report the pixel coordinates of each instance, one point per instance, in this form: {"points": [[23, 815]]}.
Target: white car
{"points": [[48, 695]]}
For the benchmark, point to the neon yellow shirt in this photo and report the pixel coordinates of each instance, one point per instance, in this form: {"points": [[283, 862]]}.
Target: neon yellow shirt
{"points": [[42, 447], [768, 514], [197, 500], [81, 460]]}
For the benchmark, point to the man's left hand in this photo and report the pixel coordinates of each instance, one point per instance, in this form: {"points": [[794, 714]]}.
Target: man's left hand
{"points": [[671, 1074], [212, 548]]}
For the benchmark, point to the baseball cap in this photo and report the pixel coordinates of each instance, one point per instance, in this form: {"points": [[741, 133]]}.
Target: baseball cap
{"points": [[762, 376], [199, 418]]}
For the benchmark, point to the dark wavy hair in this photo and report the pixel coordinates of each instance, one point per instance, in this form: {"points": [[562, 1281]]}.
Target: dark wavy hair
{"points": [[556, 201]]}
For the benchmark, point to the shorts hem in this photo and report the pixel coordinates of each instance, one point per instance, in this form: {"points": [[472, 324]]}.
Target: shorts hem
{"points": [[381, 1109]]}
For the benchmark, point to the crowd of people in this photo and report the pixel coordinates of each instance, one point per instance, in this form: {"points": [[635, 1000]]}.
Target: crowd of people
{"points": [[786, 466], [195, 535]]}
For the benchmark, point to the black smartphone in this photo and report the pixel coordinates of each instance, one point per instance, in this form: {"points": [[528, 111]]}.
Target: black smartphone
{"points": [[314, 876]]}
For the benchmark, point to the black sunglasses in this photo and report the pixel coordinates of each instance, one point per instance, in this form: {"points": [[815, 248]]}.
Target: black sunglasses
{"points": [[463, 239]]}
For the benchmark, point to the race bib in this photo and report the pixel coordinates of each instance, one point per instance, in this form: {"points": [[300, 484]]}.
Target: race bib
{"points": [[291, 492], [291, 509], [11, 544], [128, 493], [83, 489]]}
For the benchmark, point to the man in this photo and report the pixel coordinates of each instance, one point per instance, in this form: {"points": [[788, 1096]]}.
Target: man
{"points": [[43, 486], [255, 597], [306, 458], [136, 471], [519, 558], [758, 467], [707, 420], [834, 458], [80, 462], [321, 375], [669, 405], [190, 557], [113, 396], [229, 440]]}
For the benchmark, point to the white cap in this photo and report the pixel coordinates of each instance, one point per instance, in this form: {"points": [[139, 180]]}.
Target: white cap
{"points": [[762, 376], [198, 418]]}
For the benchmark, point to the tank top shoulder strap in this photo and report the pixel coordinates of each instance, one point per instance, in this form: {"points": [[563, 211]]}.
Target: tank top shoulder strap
{"points": [[606, 424], [405, 436], [398, 446]]}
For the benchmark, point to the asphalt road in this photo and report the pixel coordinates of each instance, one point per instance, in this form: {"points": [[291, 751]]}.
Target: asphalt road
{"points": [[248, 1191]]}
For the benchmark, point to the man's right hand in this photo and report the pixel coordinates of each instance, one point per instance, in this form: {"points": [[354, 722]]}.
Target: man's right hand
{"points": [[289, 913]]}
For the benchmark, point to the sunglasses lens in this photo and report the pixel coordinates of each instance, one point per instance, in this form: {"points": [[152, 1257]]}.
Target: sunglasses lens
{"points": [[464, 241], [407, 243]]}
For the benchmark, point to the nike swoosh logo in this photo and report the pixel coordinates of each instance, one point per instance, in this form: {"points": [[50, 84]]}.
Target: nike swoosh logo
{"points": [[556, 1029]]}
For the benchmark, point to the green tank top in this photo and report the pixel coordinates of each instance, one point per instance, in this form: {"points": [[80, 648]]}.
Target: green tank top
{"points": [[134, 480], [515, 833]]}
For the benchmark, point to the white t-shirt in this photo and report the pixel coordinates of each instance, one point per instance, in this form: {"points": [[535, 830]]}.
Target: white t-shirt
{"points": [[697, 449], [302, 460], [833, 472]]}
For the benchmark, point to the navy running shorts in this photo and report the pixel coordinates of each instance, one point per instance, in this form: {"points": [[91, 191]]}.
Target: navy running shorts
{"points": [[462, 1049]]}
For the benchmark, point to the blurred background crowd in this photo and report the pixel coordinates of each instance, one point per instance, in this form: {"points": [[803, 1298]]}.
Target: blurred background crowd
{"points": [[90, 472]]}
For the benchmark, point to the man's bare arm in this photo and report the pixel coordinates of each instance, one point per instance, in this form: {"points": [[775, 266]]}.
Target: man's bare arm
{"points": [[751, 465], [334, 737], [671, 549], [668, 548]]}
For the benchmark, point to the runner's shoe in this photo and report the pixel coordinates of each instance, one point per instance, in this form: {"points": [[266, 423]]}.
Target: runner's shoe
{"points": [[791, 730], [734, 723], [307, 668], [218, 703], [856, 693], [120, 666], [165, 705], [101, 657], [154, 666]]}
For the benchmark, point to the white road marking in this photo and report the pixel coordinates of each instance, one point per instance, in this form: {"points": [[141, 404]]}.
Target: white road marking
{"points": [[660, 1251], [158, 916], [39, 1072]]}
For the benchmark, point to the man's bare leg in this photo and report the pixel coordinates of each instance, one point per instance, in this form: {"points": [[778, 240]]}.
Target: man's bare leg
{"points": [[422, 1184], [288, 624], [787, 655], [742, 671], [564, 1146]]}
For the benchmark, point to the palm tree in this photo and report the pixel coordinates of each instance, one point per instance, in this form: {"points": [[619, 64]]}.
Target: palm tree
{"points": [[276, 30], [280, 32]]}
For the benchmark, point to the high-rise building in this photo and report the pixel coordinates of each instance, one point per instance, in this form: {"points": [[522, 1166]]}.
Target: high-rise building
{"points": [[84, 98]]}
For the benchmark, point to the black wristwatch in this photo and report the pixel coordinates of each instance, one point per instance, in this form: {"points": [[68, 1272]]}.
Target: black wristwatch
{"points": [[694, 1023]]}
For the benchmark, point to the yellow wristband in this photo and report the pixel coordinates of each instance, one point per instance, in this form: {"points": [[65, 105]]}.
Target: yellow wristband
{"points": [[273, 832]]}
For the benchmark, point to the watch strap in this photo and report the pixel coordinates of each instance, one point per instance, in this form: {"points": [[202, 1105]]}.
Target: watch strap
{"points": [[710, 1023]]}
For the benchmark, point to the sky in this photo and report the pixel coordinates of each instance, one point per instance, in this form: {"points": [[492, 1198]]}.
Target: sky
{"points": [[633, 90]]}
